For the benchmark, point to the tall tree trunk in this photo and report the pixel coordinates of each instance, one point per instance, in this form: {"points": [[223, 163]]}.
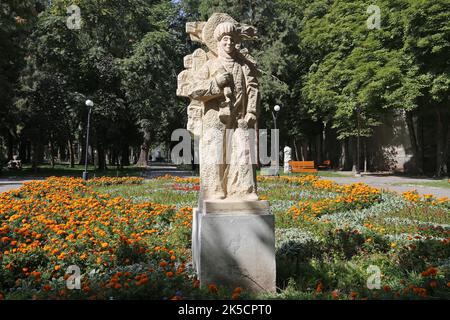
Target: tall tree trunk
{"points": [[71, 153], [319, 149], [23, 150], [36, 155], [10, 146], [101, 158], [62, 153], [354, 152], [296, 150], [305, 154], [29, 151], [125, 159], [342, 156], [441, 143], [83, 151], [416, 147], [52, 153], [145, 146]]}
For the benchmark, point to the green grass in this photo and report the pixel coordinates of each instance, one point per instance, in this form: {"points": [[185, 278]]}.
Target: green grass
{"points": [[153, 191], [65, 170], [437, 184]]}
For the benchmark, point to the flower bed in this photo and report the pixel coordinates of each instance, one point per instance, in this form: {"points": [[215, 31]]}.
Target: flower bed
{"points": [[123, 249], [129, 245]]}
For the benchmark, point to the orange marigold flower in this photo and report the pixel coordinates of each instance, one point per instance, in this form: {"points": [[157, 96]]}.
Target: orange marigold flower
{"points": [[163, 264], [196, 283], [169, 274], [319, 287], [335, 294], [212, 288], [238, 290], [433, 284], [235, 296]]}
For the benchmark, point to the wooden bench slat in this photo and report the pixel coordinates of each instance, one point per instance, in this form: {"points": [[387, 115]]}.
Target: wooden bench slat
{"points": [[302, 166]]}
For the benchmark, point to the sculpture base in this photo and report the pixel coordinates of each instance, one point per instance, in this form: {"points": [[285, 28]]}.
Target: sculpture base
{"points": [[235, 249]]}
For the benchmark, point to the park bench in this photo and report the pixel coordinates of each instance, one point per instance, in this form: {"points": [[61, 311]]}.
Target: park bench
{"points": [[326, 164], [302, 166]]}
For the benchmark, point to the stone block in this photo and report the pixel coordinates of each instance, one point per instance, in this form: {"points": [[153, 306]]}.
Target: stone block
{"points": [[270, 171], [235, 250], [228, 206]]}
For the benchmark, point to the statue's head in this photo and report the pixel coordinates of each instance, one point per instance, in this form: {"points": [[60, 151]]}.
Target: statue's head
{"points": [[226, 36]]}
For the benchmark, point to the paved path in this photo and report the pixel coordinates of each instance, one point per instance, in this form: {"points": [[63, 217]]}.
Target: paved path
{"points": [[382, 182], [158, 170], [12, 184], [395, 183], [6, 185]]}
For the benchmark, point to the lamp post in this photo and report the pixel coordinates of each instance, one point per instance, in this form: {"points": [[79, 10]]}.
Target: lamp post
{"points": [[89, 104], [275, 111], [274, 115]]}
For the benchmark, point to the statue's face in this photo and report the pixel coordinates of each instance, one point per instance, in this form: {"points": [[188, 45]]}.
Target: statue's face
{"points": [[227, 44]]}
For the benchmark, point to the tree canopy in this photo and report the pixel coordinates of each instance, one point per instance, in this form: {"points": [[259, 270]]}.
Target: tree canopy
{"points": [[337, 75]]}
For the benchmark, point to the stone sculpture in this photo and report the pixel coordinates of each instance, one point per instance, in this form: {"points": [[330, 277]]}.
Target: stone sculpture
{"points": [[287, 157], [223, 88], [233, 238]]}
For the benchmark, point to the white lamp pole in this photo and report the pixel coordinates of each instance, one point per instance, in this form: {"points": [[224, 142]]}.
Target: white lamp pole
{"points": [[89, 104]]}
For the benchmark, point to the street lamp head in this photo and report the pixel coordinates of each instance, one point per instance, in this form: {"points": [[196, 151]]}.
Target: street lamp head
{"points": [[89, 103], [277, 108]]}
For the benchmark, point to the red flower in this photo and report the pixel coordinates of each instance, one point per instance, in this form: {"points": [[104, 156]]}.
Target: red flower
{"points": [[319, 287], [212, 288], [335, 294], [196, 283], [433, 283]]}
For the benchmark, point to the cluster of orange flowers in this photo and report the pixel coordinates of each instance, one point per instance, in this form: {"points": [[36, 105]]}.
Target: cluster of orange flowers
{"points": [[357, 195], [298, 180], [69, 223], [106, 181], [167, 177], [414, 196]]}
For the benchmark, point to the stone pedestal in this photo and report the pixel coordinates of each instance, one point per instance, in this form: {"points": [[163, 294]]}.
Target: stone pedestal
{"points": [[233, 245]]}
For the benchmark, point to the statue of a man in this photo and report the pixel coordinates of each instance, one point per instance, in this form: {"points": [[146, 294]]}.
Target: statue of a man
{"points": [[227, 87]]}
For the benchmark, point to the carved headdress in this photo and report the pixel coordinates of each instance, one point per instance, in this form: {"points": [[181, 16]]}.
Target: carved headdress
{"points": [[206, 33]]}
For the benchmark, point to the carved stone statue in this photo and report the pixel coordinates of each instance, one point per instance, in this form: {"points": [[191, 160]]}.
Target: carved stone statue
{"points": [[233, 237], [223, 88], [287, 158]]}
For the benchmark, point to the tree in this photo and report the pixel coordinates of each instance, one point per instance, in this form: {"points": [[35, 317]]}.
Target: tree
{"points": [[428, 45]]}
